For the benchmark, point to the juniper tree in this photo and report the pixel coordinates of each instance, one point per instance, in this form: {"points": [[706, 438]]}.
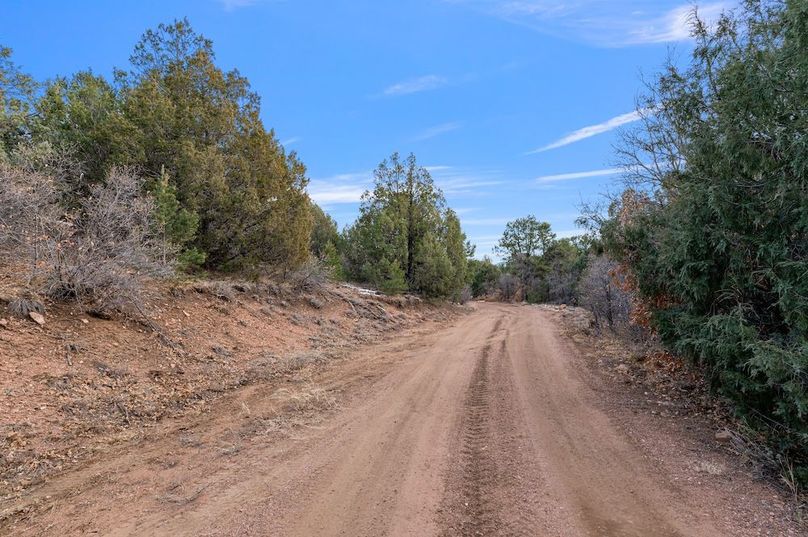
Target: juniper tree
{"points": [[405, 238], [715, 225]]}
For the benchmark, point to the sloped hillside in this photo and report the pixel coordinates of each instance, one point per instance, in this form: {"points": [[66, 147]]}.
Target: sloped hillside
{"points": [[77, 384]]}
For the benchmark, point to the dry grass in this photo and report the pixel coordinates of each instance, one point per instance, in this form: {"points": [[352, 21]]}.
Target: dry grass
{"points": [[22, 306], [222, 290], [306, 399]]}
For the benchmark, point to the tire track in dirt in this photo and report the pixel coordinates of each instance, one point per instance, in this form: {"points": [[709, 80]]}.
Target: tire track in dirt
{"points": [[477, 470], [479, 499], [516, 466]]}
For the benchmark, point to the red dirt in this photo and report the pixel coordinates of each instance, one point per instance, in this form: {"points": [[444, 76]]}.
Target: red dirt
{"points": [[495, 423]]}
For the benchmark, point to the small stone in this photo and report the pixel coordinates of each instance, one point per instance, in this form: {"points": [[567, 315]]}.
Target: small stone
{"points": [[723, 436], [4, 323], [85, 321], [37, 318]]}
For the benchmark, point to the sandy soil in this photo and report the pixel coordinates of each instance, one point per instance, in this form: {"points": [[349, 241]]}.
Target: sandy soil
{"points": [[492, 424]]}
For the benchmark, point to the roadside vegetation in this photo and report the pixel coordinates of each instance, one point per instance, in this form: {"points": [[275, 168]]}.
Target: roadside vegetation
{"points": [[167, 169], [705, 250], [713, 229]]}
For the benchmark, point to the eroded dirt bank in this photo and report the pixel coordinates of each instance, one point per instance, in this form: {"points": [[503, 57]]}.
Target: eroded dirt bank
{"points": [[490, 425]]}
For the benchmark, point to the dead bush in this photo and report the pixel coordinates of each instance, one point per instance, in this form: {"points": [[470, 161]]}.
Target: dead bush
{"points": [[599, 293], [112, 249], [307, 398], [311, 277], [508, 285], [465, 295], [30, 220], [220, 289], [294, 362], [23, 306], [98, 251]]}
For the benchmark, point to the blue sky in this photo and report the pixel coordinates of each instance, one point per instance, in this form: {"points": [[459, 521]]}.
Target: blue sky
{"points": [[514, 105]]}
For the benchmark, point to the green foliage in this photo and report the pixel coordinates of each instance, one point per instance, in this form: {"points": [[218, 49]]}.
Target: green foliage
{"points": [[326, 243], [523, 243], [433, 274], [539, 267], [16, 96], [458, 250], [333, 261], [176, 224], [717, 234], [237, 200], [323, 233], [405, 238], [388, 276], [525, 238], [483, 276], [566, 260], [83, 116]]}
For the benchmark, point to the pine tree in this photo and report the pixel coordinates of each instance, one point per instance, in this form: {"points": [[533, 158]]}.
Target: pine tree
{"points": [[404, 237]]}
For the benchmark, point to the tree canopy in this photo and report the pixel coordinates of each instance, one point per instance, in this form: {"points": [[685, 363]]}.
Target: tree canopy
{"points": [[525, 237], [405, 238], [195, 131]]}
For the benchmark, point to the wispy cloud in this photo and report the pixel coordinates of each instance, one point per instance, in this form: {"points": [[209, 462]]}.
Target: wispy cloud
{"points": [[290, 141], [340, 189], [460, 181], [460, 211], [347, 188], [486, 240], [589, 131], [415, 85], [674, 25], [231, 5], [615, 23], [578, 175], [486, 221], [437, 130]]}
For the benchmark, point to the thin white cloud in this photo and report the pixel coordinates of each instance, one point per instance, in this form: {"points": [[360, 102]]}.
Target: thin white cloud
{"points": [[675, 25], [231, 5], [616, 23], [290, 141], [437, 130], [486, 240], [415, 85], [348, 188], [589, 131], [578, 175], [438, 169], [486, 221], [458, 181], [335, 194], [340, 189], [460, 211]]}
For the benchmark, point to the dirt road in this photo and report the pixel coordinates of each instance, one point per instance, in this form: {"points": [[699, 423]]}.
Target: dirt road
{"points": [[486, 427]]}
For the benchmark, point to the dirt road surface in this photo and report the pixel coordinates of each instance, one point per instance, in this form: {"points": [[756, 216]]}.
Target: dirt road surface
{"points": [[486, 427]]}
